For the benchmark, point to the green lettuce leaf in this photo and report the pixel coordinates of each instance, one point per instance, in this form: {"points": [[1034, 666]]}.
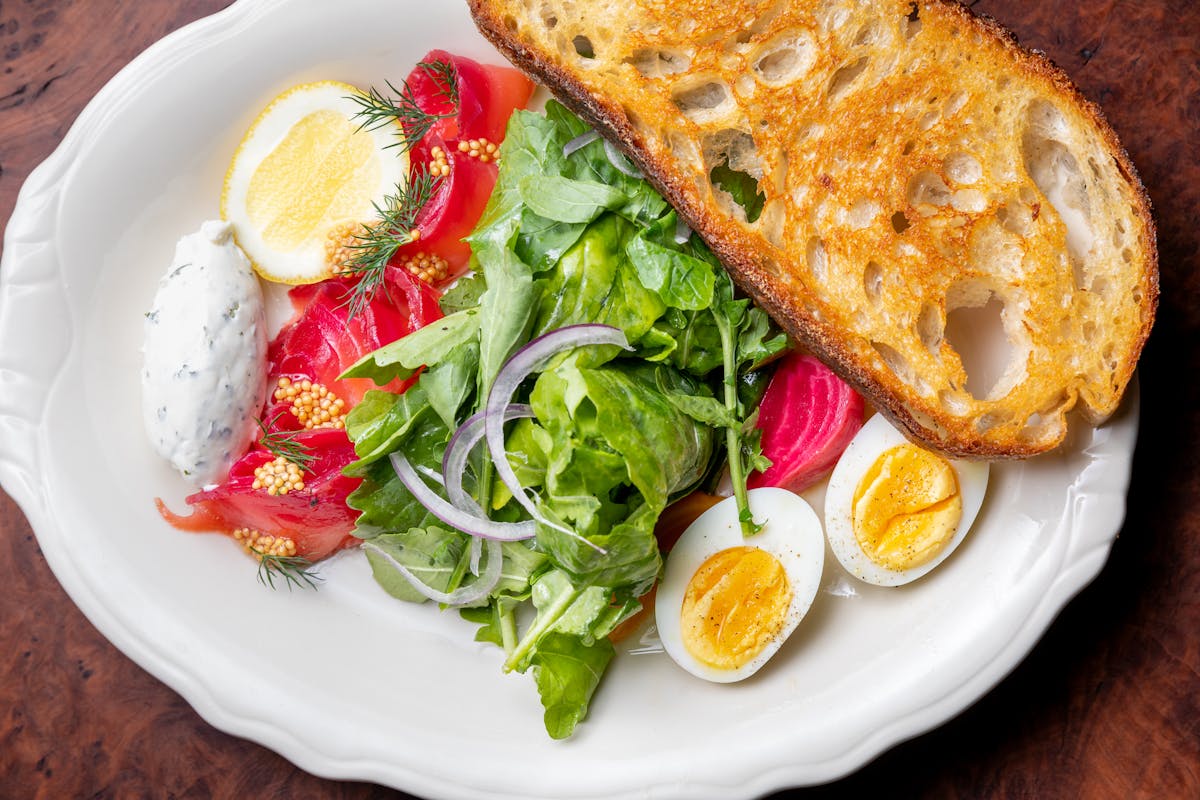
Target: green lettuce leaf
{"points": [[566, 673]]}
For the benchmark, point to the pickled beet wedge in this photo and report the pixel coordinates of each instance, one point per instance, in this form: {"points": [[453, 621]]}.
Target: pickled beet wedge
{"points": [[807, 417]]}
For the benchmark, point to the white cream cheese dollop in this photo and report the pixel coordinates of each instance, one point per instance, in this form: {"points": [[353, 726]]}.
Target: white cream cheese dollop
{"points": [[205, 356]]}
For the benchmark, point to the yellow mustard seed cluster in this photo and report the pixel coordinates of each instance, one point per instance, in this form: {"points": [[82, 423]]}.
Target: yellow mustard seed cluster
{"points": [[340, 246], [480, 148], [312, 404], [259, 544], [439, 166], [279, 476], [428, 267]]}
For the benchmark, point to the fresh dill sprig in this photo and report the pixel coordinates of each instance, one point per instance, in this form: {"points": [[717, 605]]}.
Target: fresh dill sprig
{"points": [[445, 78], [285, 444], [377, 109], [375, 244], [294, 570]]}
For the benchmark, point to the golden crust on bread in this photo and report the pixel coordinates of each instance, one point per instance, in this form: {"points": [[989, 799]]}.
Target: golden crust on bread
{"points": [[933, 195]]}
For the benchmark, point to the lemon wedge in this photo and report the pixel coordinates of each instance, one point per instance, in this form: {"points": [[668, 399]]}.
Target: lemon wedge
{"points": [[304, 171]]}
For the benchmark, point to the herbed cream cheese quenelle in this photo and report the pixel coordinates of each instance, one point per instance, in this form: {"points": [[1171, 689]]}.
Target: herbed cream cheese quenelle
{"points": [[205, 356]]}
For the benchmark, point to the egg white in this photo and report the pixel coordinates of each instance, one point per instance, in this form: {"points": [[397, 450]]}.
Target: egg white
{"points": [[875, 438], [791, 532]]}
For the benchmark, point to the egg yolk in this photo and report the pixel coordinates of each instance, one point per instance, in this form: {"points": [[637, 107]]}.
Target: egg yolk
{"points": [[734, 605], [906, 507]]}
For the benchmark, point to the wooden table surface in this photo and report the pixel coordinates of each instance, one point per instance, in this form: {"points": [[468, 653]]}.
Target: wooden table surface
{"points": [[1107, 705]]}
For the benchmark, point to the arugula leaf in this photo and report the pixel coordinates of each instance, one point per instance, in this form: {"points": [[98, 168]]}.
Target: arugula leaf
{"points": [[384, 505], [566, 200], [642, 204], [588, 614], [521, 564], [567, 673], [488, 618], [706, 410], [620, 450], [506, 311], [427, 345], [681, 280], [432, 554], [381, 421], [449, 382], [464, 293], [531, 143], [541, 242], [594, 281]]}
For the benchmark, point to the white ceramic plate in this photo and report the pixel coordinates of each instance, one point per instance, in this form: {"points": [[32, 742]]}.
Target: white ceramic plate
{"points": [[368, 688]]}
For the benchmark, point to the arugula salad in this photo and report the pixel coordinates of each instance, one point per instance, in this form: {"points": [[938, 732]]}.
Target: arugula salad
{"points": [[603, 436]]}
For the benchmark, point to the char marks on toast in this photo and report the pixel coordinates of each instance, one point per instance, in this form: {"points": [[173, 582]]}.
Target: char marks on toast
{"points": [[920, 188]]}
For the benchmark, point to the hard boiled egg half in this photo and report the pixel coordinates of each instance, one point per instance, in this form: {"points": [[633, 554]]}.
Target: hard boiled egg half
{"points": [[894, 511], [727, 601]]}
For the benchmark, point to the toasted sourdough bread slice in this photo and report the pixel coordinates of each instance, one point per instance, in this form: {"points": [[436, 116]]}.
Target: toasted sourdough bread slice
{"points": [[915, 164]]}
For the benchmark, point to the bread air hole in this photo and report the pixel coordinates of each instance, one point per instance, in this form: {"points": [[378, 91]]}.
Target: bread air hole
{"points": [[817, 258], [899, 222], [831, 15], [992, 419], [862, 214], [867, 34], [547, 14], [772, 221], [962, 168], [911, 25], [1046, 423], [927, 188], [785, 59], [930, 328], [701, 102], [1016, 217], [734, 171], [845, 77], [955, 103], [659, 63], [900, 367], [1057, 174], [583, 46], [873, 282], [975, 332]]}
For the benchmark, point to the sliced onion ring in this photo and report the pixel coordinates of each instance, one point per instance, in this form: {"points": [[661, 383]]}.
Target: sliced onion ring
{"points": [[525, 361], [476, 552], [454, 461], [464, 521], [477, 590], [682, 231], [579, 142], [620, 161]]}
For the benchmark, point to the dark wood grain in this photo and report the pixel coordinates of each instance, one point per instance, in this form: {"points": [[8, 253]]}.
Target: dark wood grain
{"points": [[1107, 705]]}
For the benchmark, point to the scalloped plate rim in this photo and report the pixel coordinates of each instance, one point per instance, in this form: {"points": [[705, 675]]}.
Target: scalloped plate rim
{"points": [[1071, 578]]}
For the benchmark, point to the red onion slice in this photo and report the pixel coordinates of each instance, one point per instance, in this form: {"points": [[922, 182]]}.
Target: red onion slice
{"points": [[531, 358], [475, 525], [462, 596], [682, 232], [454, 461], [579, 142], [620, 161]]}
